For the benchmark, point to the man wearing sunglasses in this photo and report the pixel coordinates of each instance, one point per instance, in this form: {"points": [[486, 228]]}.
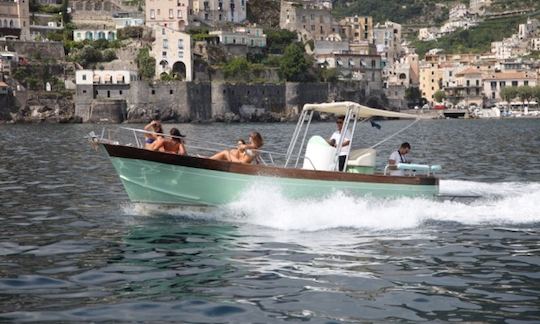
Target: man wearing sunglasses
{"points": [[335, 138]]}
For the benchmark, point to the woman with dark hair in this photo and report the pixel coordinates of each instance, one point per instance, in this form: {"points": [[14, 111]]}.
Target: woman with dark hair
{"points": [[244, 153], [173, 144]]}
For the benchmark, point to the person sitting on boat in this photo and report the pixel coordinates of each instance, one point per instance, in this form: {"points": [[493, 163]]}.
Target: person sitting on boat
{"points": [[153, 127], [173, 144], [399, 156], [244, 153], [335, 138]]}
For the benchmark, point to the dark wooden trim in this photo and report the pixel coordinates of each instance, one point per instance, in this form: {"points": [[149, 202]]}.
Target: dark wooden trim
{"points": [[129, 152]]}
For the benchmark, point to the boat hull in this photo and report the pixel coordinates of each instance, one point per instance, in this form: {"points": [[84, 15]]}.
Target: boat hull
{"points": [[161, 178]]}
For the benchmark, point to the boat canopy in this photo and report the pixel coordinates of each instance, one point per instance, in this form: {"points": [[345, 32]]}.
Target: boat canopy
{"points": [[341, 108]]}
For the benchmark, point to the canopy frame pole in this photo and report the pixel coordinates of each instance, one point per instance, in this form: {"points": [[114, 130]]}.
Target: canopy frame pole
{"points": [[304, 138], [292, 144], [352, 137], [340, 142]]}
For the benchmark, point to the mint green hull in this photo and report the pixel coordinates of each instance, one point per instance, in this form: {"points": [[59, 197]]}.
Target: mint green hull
{"points": [[160, 183]]}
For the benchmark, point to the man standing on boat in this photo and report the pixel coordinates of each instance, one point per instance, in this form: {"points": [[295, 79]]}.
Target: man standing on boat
{"points": [[399, 157], [335, 138]]}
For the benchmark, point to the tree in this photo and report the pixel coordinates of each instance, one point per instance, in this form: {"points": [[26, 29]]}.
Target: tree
{"points": [[525, 93], [109, 55], [146, 64], [237, 68], [508, 93], [439, 96], [536, 93], [89, 55], [294, 66], [278, 39], [413, 95]]}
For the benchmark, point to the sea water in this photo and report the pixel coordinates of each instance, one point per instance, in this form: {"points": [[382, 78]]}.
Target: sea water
{"points": [[73, 248]]}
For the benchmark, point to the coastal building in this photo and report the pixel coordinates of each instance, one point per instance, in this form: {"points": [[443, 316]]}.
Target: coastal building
{"points": [[430, 76], [387, 38], [534, 44], [427, 33], [355, 67], [15, 19], [172, 51], [104, 84], [219, 12], [494, 82], [8, 60], [466, 88], [80, 35], [170, 14], [328, 47], [311, 21], [127, 20], [357, 29], [248, 36], [529, 29]]}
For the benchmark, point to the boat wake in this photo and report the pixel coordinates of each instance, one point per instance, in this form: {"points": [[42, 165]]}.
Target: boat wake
{"points": [[508, 203]]}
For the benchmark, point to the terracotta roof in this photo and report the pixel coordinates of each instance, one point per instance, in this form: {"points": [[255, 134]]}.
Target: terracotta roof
{"points": [[469, 71], [510, 75]]}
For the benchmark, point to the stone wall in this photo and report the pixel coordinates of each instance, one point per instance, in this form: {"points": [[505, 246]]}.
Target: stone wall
{"points": [[49, 50], [204, 101]]}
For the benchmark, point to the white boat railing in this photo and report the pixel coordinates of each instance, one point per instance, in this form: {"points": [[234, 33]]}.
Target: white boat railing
{"points": [[113, 136]]}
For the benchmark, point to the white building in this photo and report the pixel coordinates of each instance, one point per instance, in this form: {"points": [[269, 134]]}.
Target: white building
{"points": [[427, 34], [172, 51], [494, 82], [248, 36], [95, 77], [216, 12], [80, 35], [534, 44], [528, 29], [122, 22]]}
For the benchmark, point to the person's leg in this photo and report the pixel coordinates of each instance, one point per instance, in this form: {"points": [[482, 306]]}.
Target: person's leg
{"points": [[342, 159], [222, 156]]}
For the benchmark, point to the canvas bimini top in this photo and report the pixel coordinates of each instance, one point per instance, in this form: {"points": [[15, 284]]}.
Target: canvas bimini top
{"points": [[341, 108]]}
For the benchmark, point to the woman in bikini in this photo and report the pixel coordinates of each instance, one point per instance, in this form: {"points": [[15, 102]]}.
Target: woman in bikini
{"points": [[149, 138], [244, 153]]}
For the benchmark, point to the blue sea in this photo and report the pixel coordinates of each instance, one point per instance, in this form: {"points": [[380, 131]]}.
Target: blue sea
{"points": [[73, 248]]}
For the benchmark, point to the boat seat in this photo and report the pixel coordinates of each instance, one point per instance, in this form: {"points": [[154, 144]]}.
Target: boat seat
{"points": [[319, 155], [362, 161]]}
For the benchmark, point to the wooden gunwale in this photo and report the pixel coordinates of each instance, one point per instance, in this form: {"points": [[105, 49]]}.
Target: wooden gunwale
{"points": [[129, 152]]}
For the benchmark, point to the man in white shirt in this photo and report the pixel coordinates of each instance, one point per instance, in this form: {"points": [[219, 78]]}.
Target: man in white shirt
{"points": [[334, 141], [399, 156]]}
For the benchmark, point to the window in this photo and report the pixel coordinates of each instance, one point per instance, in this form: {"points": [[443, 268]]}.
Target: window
{"points": [[468, 83], [171, 14], [153, 91], [163, 54], [179, 13], [477, 83], [170, 91], [158, 12], [84, 77], [162, 31], [525, 83], [312, 27], [502, 84], [152, 14], [514, 83], [493, 84], [181, 44], [165, 44]]}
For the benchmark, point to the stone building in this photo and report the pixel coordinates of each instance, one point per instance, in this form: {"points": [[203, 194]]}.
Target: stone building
{"points": [[311, 21], [169, 13], [80, 35], [387, 38], [357, 29], [219, 12], [15, 19], [495, 81], [172, 51], [248, 36]]}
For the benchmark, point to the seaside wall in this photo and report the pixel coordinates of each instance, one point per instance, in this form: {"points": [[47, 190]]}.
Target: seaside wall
{"points": [[217, 101]]}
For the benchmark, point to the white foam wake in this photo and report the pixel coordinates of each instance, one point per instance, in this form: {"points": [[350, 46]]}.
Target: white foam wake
{"points": [[501, 204]]}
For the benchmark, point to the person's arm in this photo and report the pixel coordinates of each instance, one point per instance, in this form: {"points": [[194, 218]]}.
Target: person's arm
{"points": [[158, 144], [181, 149], [149, 128]]}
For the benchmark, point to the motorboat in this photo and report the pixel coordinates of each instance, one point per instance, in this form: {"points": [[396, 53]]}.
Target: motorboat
{"points": [[309, 168]]}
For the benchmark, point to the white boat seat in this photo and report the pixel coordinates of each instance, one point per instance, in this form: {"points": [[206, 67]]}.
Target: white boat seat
{"points": [[319, 155], [362, 157]]}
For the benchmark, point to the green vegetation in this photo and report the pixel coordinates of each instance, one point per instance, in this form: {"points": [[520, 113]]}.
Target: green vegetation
{"points": [[240, 69], [34, 77], [474, 40], [403, 11], [295, 65], [146, 64], [135, 32], [439, 96], [525, 93], [278, 39]]}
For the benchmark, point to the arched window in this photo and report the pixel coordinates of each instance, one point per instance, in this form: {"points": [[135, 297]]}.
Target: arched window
{"points": [[101, 35], [111, 35], [89, 35], [11, 24]]}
